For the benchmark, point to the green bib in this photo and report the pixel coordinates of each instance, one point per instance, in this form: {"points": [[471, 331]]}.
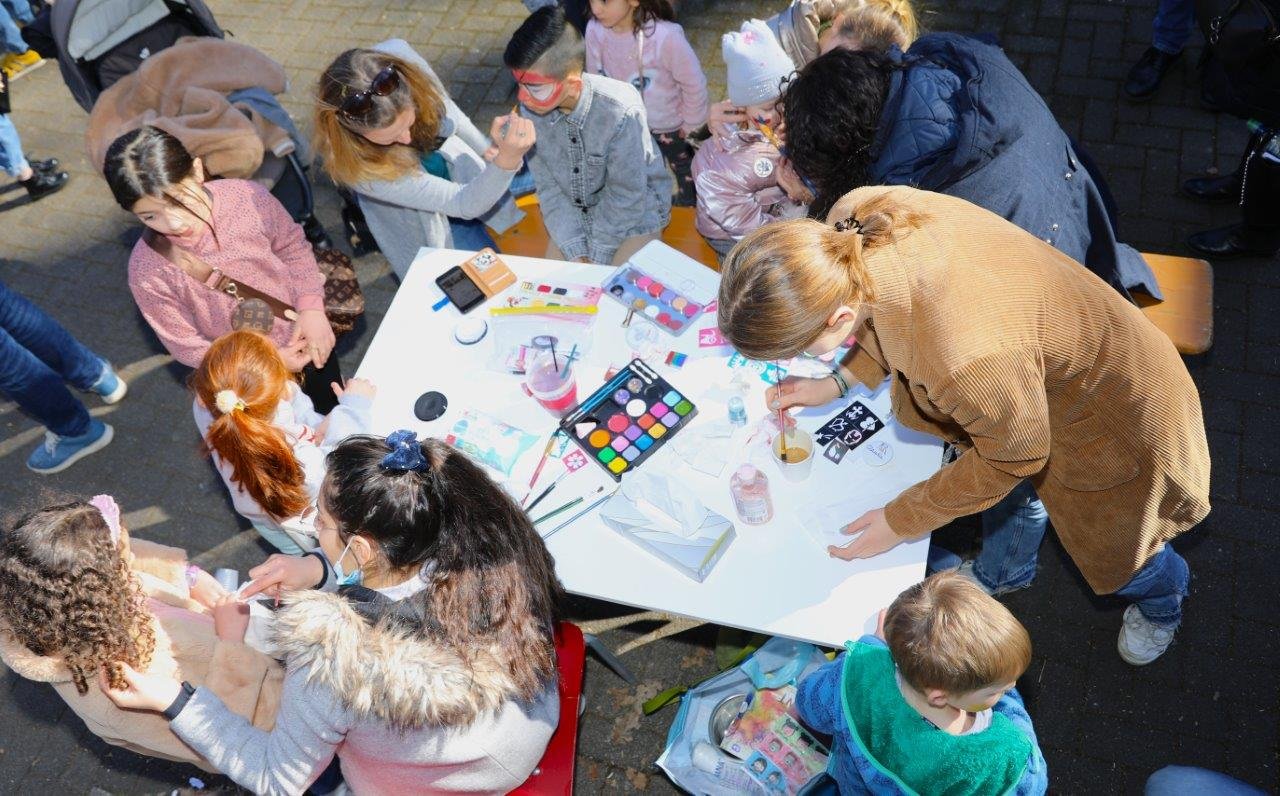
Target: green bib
{"points": [[920, 757]]}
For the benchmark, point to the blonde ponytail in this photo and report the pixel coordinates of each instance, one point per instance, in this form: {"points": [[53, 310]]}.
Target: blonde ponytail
{"points": [[876, 25], [782, 282]]}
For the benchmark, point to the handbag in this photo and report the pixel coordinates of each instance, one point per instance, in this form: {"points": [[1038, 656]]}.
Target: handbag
{"points": [[1242, 33], [343, 297]]}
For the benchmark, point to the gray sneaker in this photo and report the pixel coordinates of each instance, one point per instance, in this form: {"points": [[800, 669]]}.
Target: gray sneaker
{"points": [[1141, 641]]}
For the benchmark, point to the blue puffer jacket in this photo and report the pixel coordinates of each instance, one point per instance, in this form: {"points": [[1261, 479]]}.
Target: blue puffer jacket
{"points": [[960, 119]]}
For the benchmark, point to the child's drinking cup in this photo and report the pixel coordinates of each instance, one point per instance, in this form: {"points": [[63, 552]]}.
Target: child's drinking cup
{"points": [[798, 461], [229, 579], [551, 380]]}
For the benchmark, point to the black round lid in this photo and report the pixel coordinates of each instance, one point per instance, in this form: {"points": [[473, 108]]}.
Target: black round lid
{"points": [[430, 405]]}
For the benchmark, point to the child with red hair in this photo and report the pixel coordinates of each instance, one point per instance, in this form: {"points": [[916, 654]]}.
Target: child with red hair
{"points": [[265, 436]]}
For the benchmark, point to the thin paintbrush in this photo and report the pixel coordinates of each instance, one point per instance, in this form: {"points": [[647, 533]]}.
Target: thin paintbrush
{"points": [[546, 491], [782, 426]]}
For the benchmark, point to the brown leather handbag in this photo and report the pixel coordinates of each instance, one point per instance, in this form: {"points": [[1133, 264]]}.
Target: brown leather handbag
{"points": [[343, 298]]}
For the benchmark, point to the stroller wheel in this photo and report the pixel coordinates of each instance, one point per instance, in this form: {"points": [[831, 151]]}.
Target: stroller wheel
{"points": [[316, 235]]}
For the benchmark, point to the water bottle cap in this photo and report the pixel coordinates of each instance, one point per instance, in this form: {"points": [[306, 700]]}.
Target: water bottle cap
{"points": [[747, 472]]}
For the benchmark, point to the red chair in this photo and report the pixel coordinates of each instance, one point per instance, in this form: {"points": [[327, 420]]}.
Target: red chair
{"points": [[554, 774]]}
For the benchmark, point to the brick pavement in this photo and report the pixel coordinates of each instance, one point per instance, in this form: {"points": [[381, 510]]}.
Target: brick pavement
{"points": [[1104, 726]]}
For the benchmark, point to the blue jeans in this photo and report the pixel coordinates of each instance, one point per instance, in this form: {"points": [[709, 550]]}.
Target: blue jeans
{"points": [[470, 235], [1179, 780], [38, 358], [1172, 26], [1159, 587], [9, 33], [12, 161]]}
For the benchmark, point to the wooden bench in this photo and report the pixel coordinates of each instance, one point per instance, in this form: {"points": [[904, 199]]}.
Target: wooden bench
{"points": [[1185, 315]]}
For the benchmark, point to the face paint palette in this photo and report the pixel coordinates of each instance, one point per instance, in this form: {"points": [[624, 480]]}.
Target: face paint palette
{"points": [[631, 416], [667, 287]]}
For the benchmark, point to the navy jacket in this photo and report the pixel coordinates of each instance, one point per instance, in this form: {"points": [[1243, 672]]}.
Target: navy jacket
{"points": [[960, 119]]}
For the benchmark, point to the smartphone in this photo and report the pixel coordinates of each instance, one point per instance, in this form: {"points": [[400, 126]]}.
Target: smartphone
{"points": [[461, 289]]}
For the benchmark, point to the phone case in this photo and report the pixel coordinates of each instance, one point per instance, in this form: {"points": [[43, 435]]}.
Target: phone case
{"points": [[489, 272]]}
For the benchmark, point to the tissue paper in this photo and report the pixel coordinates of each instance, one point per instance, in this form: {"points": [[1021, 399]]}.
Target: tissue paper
{"points": [[666, 518]]}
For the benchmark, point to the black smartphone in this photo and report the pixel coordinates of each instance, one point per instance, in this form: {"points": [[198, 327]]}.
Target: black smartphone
{"points": [[461, 291]]}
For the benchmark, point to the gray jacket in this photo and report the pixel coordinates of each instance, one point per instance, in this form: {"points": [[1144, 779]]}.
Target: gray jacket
{"points": [[407, 214], [600, 176]]}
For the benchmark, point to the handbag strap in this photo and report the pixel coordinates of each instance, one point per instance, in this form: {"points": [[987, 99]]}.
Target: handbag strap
{"points": [[213, 278]]}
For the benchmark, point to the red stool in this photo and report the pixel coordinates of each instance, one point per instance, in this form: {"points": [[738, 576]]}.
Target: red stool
{"points": [[554, 774]]}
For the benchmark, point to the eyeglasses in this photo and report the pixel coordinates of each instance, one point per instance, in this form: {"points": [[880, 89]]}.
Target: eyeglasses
{"points": [[360, 103]]}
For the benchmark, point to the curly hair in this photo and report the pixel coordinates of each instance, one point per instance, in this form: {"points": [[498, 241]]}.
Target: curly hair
{"points": [[67, 591], [832, 110]]}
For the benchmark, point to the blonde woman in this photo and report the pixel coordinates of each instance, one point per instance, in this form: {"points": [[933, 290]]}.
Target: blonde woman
{"points": [[1057, 389], [424, 175]]}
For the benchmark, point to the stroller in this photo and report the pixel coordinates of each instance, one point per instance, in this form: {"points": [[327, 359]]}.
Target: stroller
{"points": [[100, 41]]}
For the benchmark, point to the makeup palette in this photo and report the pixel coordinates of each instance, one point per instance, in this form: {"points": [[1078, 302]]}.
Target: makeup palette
{"points": [[621, 424], [667, 287]]}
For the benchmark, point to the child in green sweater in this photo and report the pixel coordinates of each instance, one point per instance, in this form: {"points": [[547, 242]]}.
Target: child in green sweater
{"points": [[929, 705]]}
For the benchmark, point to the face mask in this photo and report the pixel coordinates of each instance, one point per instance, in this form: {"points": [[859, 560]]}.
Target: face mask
{"points": [[347, 579]]}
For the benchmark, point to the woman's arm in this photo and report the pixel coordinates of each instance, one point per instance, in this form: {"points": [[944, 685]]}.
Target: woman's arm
{"points": [[1000, 402], [169, 319], [421, 191], [309, 728]]}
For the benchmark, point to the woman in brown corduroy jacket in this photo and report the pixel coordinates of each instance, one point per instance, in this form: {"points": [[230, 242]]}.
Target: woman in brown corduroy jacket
{"points": [[1042, 374]]}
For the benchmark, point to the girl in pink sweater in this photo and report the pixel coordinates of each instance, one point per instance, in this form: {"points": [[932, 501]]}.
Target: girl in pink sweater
{"points": [[637, 42], [236, 227]]}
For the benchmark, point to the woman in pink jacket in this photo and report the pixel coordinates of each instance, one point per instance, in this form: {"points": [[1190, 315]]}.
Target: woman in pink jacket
{"points": [[234, 226]]}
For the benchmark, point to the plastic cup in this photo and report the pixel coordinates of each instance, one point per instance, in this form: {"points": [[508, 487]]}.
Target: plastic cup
{"points": [[550, 379], [228, 578], [799, 454]]}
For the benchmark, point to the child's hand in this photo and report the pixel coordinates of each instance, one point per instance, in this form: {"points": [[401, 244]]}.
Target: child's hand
{"points": [[797, 391], [725, 112], [295, 355], [142, 691], [206, 590], [281, 573], [791, 184], [230, 619], [313, 330], [519, 139], [362, 387]]}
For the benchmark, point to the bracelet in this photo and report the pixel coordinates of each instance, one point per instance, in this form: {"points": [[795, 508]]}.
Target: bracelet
{"points": [[180, 701], [841, 384], [193, 574]]}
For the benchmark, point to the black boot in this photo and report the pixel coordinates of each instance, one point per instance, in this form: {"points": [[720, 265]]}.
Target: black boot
{"points": [[1145, 76], [1225, 243], [1222, 188], [41, 183]]}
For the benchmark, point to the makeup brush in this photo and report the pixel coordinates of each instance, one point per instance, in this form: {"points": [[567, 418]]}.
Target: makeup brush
{"points": [[782, 427]]}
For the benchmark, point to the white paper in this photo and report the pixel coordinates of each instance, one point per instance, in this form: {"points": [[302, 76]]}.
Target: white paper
{"points": [[668, 505]]}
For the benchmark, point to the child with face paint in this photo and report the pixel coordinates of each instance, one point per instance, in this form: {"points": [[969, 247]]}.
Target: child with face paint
{"points": [[928, 704], [738, 171], [431, 670], [602, 185], [79, 599], [639, 41]]}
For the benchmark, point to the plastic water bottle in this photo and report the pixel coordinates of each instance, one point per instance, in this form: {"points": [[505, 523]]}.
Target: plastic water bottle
{"points": [[732, 775], [737, 412]]}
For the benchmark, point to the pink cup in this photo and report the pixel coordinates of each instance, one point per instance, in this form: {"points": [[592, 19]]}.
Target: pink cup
{"points": [[550, 379]]}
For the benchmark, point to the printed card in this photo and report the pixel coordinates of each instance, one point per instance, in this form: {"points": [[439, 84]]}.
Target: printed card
{"points": [[853, 426]]}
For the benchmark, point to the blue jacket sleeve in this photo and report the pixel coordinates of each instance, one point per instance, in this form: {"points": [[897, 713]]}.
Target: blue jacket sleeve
{"points": [[1035, 780], [818, 697]]}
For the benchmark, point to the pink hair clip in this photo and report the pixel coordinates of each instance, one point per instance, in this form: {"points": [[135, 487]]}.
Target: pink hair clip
{"points": [[110, 511]]}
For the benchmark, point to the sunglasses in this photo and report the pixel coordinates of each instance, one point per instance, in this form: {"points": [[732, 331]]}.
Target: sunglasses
{"points": [[360, 103]]}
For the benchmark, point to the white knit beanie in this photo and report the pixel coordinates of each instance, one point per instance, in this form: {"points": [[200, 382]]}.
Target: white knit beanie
{"points": [[757, 64]]}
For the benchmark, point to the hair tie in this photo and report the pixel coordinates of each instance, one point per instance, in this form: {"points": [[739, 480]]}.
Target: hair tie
{"points": [[406, 453], [227, 402], [110, 511], [850, 223]]}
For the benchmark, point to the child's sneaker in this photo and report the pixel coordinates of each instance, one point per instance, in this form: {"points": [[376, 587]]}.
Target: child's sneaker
{"points": [[15, 64], [59, 453], [109, 385], [1141, 640]]}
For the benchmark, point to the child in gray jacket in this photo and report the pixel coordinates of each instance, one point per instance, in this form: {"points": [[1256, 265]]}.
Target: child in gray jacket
{"points": [[602, 185]]}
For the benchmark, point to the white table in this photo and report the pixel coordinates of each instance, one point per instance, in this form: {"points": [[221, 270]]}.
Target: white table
{"points": [[775, 578]]}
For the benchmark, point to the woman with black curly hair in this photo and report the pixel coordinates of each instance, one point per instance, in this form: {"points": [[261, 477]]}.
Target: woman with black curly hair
{"points": [[953, 115], [79, 599]]}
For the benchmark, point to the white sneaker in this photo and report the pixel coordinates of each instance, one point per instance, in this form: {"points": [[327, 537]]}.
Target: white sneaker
{"points": [[1141, 640]]}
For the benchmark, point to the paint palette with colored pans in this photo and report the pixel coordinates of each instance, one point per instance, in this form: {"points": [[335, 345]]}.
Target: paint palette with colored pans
{"points": [[667, 287], [625, 421]]}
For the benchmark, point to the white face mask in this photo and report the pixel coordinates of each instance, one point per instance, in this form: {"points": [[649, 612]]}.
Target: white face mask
{"points": [[354, 578]]}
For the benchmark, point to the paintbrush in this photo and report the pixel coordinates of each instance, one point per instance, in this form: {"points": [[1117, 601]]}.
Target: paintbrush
{"points": [[782, 427], [515, 111], [546, 491], [782, 149], [537, 471], [560, 510]]}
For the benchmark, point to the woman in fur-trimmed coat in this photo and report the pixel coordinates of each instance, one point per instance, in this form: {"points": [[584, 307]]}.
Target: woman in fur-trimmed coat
{"points": [[433, 667]]}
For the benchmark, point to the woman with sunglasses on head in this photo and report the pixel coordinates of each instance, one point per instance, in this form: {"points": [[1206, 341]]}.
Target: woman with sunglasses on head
{"points": [[424, 175], [433, 667], [202, 232]]}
